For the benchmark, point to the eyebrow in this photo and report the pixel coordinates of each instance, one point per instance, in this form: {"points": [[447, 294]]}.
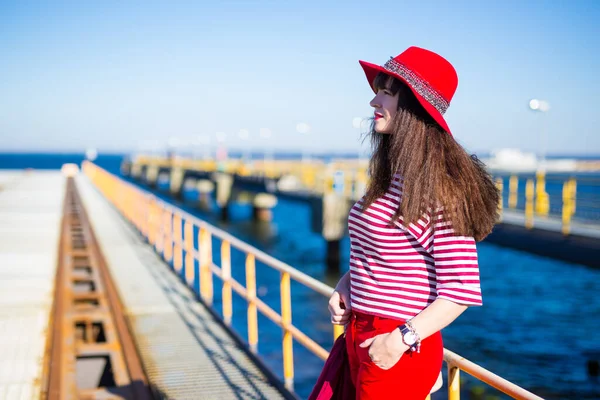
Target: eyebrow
{"points": [[383, 85]]}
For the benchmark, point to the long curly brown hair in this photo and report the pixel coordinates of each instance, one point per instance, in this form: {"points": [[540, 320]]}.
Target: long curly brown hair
{"points": [[435, 169]]}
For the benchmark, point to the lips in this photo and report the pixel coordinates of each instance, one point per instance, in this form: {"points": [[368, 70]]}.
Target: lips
{"points": [[378, 116]]}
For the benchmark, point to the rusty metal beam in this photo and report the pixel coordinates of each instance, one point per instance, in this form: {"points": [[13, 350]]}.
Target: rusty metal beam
{"points": [[90, 350]]}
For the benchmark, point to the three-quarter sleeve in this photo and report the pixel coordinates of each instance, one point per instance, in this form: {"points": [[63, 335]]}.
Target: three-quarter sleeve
{"points": [[456, 266]]}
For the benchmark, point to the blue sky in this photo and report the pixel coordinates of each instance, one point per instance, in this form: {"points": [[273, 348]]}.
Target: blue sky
{"points": [[124, 77]]}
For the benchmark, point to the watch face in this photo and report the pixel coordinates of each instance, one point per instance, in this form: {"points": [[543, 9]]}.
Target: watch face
{"points": [[410, 338]]}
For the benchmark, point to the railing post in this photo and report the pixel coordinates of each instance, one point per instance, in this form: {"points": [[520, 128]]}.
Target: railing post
{"points": [[453, 382], [177, 248], [130, 205], [136, 207], [226, 271], [513, 187], [168, 237], [286, 321], [529, 191], [158, 226], [149, 219], [147, 222], [500, 186], [573, 195], [188, 234], [142, 213], [566, 208], [252, 314], [337, 331], [542, 200], [143, 216], [206, 284]]}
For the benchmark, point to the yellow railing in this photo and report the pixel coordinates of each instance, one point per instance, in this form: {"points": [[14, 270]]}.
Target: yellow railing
{"points": [[538, 201], [171, 231]]}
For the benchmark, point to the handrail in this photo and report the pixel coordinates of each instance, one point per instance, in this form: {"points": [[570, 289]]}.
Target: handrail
{"points": [[145, 210], [456, 362], [170, 231]]}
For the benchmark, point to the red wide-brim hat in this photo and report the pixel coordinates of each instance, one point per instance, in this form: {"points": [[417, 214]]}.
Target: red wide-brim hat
{"points": [[431, 78]]}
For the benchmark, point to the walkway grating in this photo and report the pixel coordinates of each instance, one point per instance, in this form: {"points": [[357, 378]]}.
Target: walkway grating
{"points": [[186, 352], [30, 215]]}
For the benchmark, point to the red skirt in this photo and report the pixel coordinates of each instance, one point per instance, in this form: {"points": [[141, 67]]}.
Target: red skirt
{"points": [[411, 378]]}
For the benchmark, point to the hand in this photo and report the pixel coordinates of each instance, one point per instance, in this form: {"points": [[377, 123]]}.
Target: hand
{"points": [[385, 350], [339, 304]]}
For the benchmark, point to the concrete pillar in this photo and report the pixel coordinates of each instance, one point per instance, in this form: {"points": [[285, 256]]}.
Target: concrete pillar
{"points": [[126, 167], [332, 219], [263, 204], [224, 184], [205, 188], [135, 170], [176, 181], [360, 184], [151, 174]]}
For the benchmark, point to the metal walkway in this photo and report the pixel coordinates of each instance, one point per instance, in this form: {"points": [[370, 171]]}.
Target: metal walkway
{"points": [[186, 352], [30, 215]]}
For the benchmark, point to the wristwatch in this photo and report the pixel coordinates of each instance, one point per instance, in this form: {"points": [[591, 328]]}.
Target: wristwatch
{"points": [[409, 337]]}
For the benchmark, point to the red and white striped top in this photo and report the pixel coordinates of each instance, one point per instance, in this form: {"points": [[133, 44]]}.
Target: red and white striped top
{"points": [[395, 272]]}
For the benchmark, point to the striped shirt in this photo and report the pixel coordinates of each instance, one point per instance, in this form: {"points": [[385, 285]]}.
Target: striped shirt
{"points": [[395, 272]]}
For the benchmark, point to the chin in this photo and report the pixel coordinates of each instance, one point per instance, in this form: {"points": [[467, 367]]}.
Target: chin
{"points": [[381, 128]]}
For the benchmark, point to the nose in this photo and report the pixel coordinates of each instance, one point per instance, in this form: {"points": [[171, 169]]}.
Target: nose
{"points": [[375, 103]]}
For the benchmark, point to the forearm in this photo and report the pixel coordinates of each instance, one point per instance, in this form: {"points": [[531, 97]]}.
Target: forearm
{"points": [[344, 281], [436, 316]]}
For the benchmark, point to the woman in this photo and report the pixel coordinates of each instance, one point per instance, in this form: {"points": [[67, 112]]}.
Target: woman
{"points": [[413, 262]]}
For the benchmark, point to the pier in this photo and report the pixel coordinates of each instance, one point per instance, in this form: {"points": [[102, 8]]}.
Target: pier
{"points": [[537, 212], [114, 296]]}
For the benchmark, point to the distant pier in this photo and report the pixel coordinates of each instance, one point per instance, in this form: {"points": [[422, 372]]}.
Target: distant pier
{"points": [[546, 222]]}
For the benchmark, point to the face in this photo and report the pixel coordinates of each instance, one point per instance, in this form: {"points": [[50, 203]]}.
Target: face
{"points": [[386, 106]]}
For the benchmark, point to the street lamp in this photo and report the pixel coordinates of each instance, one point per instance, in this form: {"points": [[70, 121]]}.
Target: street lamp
{"points": [[542, 106], [542, 200]]}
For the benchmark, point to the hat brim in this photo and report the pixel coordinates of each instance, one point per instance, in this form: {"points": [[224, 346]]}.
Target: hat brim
{"points": [[371, 71]]}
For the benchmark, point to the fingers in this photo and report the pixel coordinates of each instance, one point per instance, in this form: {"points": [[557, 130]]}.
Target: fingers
{"points": [[334, 304], [345, 299], [367, 342], [370, 340], [340, 311], [379, 355], [340, 319]]}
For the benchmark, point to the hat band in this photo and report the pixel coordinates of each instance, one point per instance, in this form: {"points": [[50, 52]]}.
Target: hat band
{"points": [[420, 85]]}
